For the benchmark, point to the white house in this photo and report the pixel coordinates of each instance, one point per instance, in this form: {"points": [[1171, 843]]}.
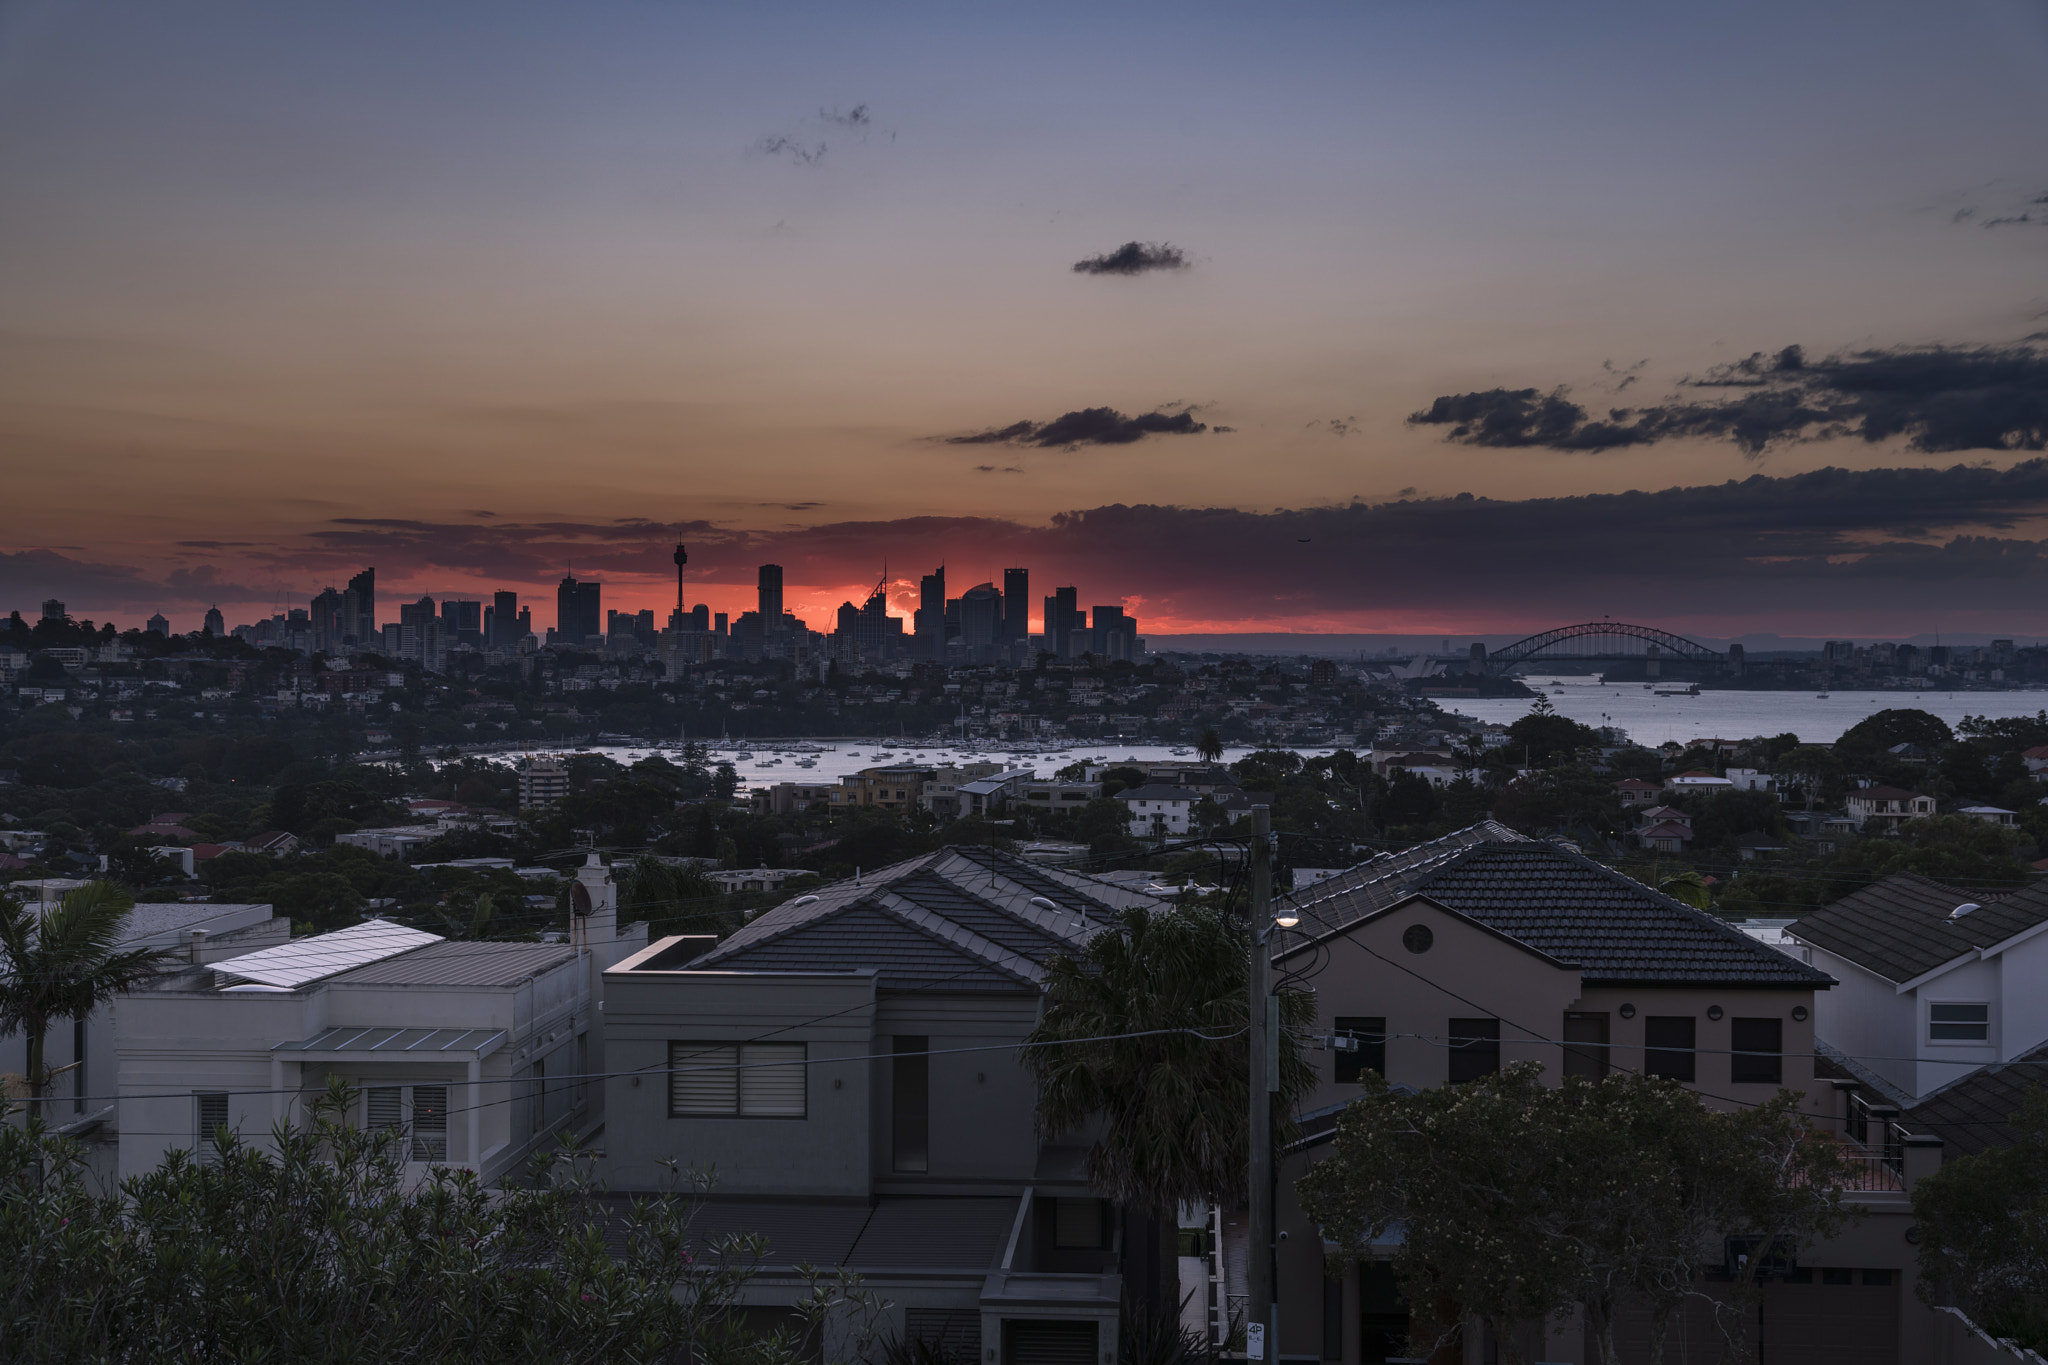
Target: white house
{"points": [[1990, 815], [474, 1051], [1933, 983], [1886, 807], [1155, 810]]}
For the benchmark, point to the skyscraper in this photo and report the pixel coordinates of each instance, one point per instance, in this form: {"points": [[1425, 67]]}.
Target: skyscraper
{"points": [[216, 625], [929, 622], [463, 622], [361, 605], [770, 594], [1016, 604], [330, 622], [981, 621], [579, 612], [505, 630], [1062, 619]]}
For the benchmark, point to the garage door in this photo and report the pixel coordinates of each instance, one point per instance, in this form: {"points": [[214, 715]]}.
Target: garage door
{"points": [[1031, 1342]]}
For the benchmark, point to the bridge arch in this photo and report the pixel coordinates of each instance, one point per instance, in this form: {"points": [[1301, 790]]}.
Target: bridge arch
{"points": [[1608, 640]]}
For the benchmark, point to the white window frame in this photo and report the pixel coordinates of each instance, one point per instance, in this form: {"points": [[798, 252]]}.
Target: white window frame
{"points": [[1930, 1024]]}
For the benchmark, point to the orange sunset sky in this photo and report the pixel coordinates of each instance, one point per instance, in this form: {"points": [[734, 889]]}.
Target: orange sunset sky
{"points": [[475, 292]]}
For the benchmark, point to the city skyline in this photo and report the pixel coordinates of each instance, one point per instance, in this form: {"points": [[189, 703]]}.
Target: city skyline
{"points": [[1345, 320]]}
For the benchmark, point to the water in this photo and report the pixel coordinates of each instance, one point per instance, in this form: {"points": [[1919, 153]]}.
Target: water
{"points": [[1653, 720], [842, 757]]}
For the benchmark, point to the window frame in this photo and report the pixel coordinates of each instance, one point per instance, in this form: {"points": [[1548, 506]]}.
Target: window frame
{"points": [[1349, 1068], [748, 1063], [1933, 1023], [1476, 1043], [1683, 1062], [1753, 1065], [910, 1104], [1588, 1059]]}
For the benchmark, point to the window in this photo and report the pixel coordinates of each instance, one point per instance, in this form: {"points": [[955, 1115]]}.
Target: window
{"points": [[1958, 1023], [1585, 1052], [1475, 1049], [910, 1097], [1078, 1224], [1837, 1275], [1668, 1044], [430, 1123], [1371, 1034], [1757, 1051], [747, 1080], [538, 1092], [211, 1116], [383, 1109]]}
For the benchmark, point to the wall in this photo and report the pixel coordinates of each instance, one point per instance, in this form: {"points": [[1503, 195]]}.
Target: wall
{"points": [[646, 1007], [983, 1125], [1973, 982], [1865, 1016], [1711, 1036]]}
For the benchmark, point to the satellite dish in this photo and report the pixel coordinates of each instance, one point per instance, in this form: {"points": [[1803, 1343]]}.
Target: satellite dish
{"points": [[579, 900]]}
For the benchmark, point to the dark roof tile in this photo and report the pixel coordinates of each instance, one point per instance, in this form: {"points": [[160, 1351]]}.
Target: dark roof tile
{"points": [[1900, 928]]}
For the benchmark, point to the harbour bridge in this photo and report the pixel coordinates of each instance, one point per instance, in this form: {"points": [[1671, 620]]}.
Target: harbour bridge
{"points": [[1609, 642]]}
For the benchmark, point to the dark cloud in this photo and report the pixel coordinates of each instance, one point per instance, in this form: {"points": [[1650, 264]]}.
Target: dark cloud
{"points": [[1134, 258], [1087, 427], [792, 149], [1941, 399], [856, 117], [217, 544], [1222, 430], [998, 469]]}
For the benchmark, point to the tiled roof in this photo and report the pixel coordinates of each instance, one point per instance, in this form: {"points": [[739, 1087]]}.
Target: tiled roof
{"points": [[1975, 1112], [1900, 927], [959, 919], [1558, 902]]}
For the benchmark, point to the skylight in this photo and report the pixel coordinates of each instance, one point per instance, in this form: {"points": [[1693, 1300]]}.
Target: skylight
{"points": [[323, 955]]}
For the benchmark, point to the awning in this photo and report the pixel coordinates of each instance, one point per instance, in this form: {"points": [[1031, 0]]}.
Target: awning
{"points": [[357, 1043]]}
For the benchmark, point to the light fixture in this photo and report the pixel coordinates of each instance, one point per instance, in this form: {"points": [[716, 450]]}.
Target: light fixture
{"points": [[1286, 916]]}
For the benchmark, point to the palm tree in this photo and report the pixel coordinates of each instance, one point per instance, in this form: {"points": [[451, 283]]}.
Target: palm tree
{"points": [[1210, 746], [64, 964], [1173, 1105]]}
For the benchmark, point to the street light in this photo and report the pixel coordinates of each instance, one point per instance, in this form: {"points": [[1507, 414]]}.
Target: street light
{"points": [[1286, 917]]}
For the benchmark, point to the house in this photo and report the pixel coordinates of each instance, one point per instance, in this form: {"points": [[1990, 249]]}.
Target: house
{"points": [[848, 1064], [1454, 958], [1990, 815], [392, 841], [1824, 831], [475, 1052], [274, 843], [1698, 780], [1751, 780], [1934, 981], [1664, 828], [759, 879], [1756, 844], [986, 796], [1057, 796], [1157, 812], [1886, 807], [2036, 760], [199, 933], [1635, 792]]}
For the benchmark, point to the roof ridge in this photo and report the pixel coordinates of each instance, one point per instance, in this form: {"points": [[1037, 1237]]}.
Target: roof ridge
{"points": [[983, 949], [776, 933]]}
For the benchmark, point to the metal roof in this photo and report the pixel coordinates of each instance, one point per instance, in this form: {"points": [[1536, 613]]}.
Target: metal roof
{"points": [[464, 964], [355, 1040], [320, 956]]}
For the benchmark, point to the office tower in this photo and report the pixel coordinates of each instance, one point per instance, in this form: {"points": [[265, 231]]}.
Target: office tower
{"points": [[363, 623], [929, 621], [579, 612], [698, 618], [1114, 635], [53, 609], [393, 638], [1062, 619], [525, 624], [422, 637], [157, 622], [216, 625], [981, 621], [502, 619], [330, 630], [1016, 604], [770, 592], [643, 626], [718, 624], [463, 622]]}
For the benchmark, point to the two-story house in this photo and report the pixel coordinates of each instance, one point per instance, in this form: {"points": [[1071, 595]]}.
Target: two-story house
{"points": [[848, 1065], [1883, 809], [1455, 958], [475, 1052], [1935, 982], [1157, 811]]}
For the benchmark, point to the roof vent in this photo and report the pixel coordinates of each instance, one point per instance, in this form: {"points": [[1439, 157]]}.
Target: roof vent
{"points": [[803, 900], [1965, 908]]}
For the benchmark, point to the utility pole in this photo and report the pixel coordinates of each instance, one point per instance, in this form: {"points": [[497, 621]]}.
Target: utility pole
{"points": [[1262, 1325]]}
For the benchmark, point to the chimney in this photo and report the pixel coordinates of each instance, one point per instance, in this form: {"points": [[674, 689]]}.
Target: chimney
{"points": [[198, 945]]}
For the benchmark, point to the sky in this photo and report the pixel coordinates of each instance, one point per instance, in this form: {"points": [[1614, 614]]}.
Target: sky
{"points": [[1403, 317]]}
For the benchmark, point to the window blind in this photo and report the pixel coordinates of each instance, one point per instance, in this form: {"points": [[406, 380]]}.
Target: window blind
{"points": [[430, 1123], [213, 1116], [382, 1110], [750, 1080]]}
